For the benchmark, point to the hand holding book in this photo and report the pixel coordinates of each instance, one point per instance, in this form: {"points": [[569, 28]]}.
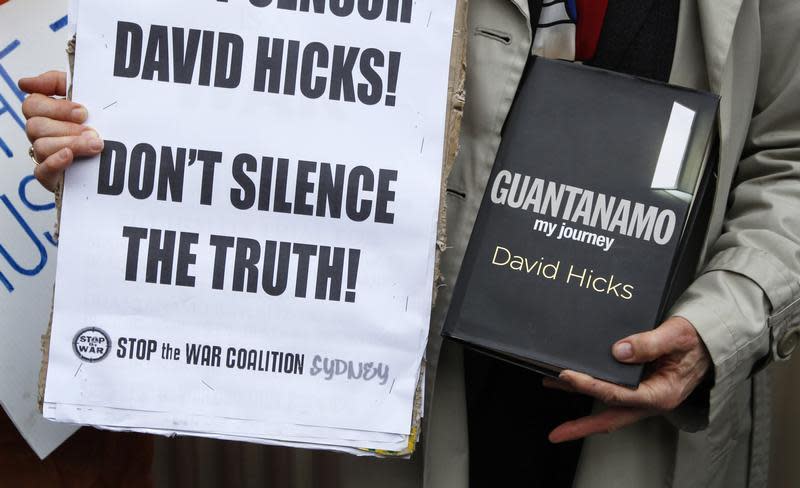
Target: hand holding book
{"points": [[678, 362]]}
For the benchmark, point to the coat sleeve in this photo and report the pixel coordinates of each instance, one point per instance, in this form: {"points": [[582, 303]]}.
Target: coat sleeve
{"points": [[746, 303]]}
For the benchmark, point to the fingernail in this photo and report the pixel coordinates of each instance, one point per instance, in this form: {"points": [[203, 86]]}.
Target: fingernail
{"points": [[79, 114], [91, 133], [95, 144], [623, 350], [63, 154]]}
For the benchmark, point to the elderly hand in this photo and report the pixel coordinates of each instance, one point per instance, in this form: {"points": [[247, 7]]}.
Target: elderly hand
{"points": [[679, 362], [55, 127]]}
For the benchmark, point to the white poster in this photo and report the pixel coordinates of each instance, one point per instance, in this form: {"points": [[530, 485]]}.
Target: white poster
{"points": [[32, 40], [252, 254]]}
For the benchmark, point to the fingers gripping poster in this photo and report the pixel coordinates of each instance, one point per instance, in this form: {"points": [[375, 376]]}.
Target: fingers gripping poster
{"points": [[252, 253]]}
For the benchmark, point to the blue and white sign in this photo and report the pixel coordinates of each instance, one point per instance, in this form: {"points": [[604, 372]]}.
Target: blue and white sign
{"points": [[32, 40]]}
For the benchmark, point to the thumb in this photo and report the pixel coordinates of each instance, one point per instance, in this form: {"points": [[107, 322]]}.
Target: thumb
{"points": [[675, 334], [48, 84]]}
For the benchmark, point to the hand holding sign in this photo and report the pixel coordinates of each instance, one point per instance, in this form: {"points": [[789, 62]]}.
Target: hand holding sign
{"points": [[55, 127]]}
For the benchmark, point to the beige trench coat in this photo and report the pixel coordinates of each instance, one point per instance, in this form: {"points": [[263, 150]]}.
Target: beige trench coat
{"points": [[745, 302]]}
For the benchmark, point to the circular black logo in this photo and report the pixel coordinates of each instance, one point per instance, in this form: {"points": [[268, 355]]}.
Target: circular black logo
{"points": [[91, 344]]}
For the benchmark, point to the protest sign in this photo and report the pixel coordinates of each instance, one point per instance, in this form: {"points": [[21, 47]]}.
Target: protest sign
{"points": [[32, 40], [264, 218]]}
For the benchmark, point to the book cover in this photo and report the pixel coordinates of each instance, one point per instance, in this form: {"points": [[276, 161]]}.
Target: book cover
{"points": [[593, 208]]}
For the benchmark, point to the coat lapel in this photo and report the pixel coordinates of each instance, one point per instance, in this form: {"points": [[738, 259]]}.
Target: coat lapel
{"points": [[717, 21], [523, 7]]}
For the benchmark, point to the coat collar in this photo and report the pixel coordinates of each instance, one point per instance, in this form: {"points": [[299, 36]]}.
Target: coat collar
{"points": [[717, 21]]}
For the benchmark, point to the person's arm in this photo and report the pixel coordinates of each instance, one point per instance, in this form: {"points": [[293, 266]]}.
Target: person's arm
{"points": [[746, 303], [55, 127], [744, 309]]}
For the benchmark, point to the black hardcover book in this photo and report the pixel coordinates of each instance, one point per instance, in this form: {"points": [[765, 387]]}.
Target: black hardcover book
{"points": [[591, 221]]}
